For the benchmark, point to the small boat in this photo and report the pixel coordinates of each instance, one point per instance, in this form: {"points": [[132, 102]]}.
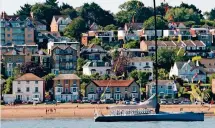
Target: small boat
{"points": [[180, 116]]}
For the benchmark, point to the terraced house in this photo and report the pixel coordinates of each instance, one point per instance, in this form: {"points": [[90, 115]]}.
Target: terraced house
{"points": [[64, 59], [116, 89], [66, 87]]}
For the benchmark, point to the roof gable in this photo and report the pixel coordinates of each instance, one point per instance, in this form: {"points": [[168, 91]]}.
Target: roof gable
{"points": [[29, 77], [113, 83]]}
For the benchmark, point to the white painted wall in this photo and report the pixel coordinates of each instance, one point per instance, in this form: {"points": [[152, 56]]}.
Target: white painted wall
{"points": [[100, 70], [31, 94]]}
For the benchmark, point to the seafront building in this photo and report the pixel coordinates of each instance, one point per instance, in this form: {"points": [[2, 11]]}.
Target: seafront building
{"points": [[66, 87], [25, 88], [116, 89]]}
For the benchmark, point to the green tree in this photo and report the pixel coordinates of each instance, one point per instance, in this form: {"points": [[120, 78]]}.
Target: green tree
{"points": [[212, 77], [17, 72], [45, 11], [94, 13], [212, 14], [162, 74], [75, 28], [133, 8], [132, 44], [52, 3], [25, 11], [139, 76], [49, 81], [80, 63], [110, 27], [182, 15], [8, 85], [68, 10], [114, 54], [95, 76], [167, 57], [85, 79], [193, 7], [105, 77], [96, 41], [150, 23]]}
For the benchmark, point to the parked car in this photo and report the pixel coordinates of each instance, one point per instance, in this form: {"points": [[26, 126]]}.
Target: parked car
{"points": [[133, 102], [175, 101], [186, 102], [36, 100], [85, 100], [93, 102], [127, 102], [163, 101]]}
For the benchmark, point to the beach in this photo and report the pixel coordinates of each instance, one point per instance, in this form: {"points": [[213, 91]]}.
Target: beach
{"points": [[69, 110]]}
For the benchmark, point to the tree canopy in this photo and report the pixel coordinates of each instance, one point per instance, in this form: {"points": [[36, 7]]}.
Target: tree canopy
{"points": [[94, 13], [76, 28], [96, 41], [182, 15], [132, 44], [150, 23], [24, 11], [32, 67], [133, 10], [212, 15]]}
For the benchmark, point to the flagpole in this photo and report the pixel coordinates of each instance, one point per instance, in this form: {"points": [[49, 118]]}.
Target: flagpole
{"points": [[156, 47]]}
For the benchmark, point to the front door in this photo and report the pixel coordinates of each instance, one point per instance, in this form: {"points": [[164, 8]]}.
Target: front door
{"points": [[117, 96], [19, 97]]}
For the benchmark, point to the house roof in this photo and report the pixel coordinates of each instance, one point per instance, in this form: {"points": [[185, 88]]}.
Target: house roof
{"points": [[152, 43], [63, 47], [162, 82], [170, 43], [179, 64], [140, 59], [207, 63], [189, 43], [67, 77], [59, 16], [14, 52], [134, 26], [198, 43], [98, 64], [113, 83], [29, 76]]}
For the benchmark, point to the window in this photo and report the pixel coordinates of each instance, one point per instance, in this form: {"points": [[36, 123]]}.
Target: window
{"points": [[8, 35], [74, 89], [18, 82], [132, 63], [108, 89], [66, 81], [8, 29], [91, 89], [36, 89], [57, 57], [74, 82], [67, 65], [29, 35], [134, 89], [56, 65], [58, 89], [118, 89], [147, 63], [9, 59], [27, 89], [27, 82], [36, 82], [58, 81], [57, 51], [67, 58], [140, 64], [67, 90], [36, 96], [68, 50], [18, 89], [161, 86], [126, 89], [169, 87]]}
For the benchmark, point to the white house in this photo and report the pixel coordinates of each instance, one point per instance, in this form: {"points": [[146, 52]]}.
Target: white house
{"points": [[165, 88], [188, 71], [26, 87], [96, 67], [142, 64]]}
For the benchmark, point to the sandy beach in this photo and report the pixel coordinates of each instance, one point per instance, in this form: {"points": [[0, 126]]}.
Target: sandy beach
{"points": [[69, 110]]}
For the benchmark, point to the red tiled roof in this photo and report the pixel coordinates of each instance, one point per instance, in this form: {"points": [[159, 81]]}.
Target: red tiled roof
{"points": [[189, 43], [66, 77], [29, 76], [113, 83], [169, 43], [198, 43]]}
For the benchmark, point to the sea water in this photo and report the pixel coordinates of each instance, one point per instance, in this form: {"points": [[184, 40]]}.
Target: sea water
{"points": [[89, 123]]}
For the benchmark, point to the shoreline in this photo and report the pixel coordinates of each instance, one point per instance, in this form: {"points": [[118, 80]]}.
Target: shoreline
{"points": [[82, 111]]}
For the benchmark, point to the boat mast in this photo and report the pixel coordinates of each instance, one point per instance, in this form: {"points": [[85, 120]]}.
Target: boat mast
{"points": [[156, 56]]}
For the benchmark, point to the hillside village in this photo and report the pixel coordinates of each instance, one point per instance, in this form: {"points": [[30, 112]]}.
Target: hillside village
{"points": [[69, 57]]}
